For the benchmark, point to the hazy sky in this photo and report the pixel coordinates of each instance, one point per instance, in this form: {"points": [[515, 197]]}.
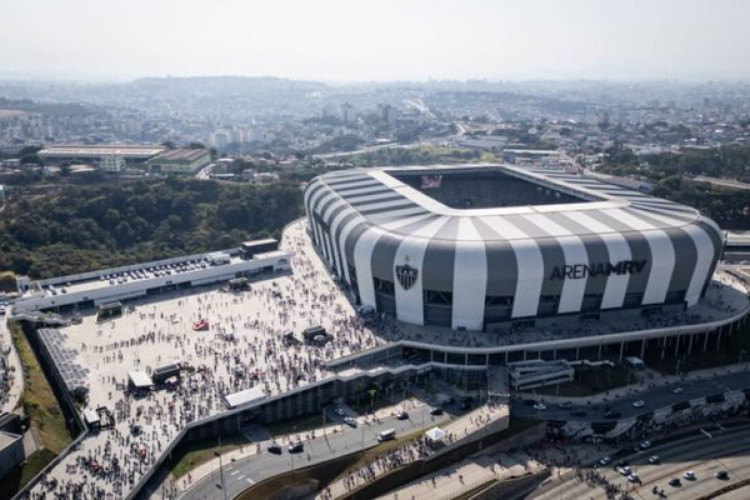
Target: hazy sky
{"points": [[376, 39]]}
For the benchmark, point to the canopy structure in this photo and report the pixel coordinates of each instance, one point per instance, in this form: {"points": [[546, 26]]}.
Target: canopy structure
{"points": [[140, 380], [245, 397], [436, 434]]}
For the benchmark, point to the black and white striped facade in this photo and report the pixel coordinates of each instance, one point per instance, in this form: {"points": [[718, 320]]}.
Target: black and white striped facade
{"points": [[409, 255]]}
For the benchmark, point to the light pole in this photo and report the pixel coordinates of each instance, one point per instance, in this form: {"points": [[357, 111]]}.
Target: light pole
{"points": [[221, 474]]}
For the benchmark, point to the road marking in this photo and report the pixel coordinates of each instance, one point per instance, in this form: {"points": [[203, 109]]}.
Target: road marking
{"points": [[250, 481], [240, 478], [234, 473]]}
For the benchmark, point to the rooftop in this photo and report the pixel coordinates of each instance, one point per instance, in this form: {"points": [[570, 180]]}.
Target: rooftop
{"points": [[82, 150], [181, 155]]}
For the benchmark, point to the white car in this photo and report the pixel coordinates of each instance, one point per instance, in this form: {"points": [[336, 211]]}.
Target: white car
{"points": [[639, 404], [633, 478], [540, 406], [677, 390], [625, 470], [339, 412], [645, 444], [351, 422], [653, 459], [689, 475], [605, 460]]}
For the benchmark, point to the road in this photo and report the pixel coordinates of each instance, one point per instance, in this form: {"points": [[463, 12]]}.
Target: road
{"points": [[241, 474], [728, 449], [656, 398]]}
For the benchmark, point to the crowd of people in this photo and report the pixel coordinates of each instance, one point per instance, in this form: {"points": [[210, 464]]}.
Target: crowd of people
{"points": [[243, 348]]}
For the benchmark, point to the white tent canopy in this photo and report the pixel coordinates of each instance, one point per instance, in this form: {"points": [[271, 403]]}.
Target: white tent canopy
{"points": [[140, 380], [435, 434]]}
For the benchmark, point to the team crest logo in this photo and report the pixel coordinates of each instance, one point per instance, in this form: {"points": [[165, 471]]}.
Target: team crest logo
{"points": [[406, 275]]}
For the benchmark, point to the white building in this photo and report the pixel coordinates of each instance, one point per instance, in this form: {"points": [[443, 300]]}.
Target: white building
{"points": [[112, 163]]}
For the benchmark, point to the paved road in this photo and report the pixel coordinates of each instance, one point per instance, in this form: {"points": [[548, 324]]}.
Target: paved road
{"points": [[241, 474], [728, 449], [656, 398]]}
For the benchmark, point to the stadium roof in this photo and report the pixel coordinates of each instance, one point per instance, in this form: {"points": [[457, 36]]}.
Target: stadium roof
{"points": [[396, 207]]}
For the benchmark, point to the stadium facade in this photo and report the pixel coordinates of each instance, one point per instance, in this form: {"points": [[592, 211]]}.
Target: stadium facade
{"points": [[468, 247]]}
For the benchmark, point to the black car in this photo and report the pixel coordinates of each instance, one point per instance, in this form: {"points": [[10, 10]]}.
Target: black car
{"points": [[275, 449], [296, 447], [436, 412], [402, 415], [675, 482], [722, 474], [612, 414], [578, 413]]}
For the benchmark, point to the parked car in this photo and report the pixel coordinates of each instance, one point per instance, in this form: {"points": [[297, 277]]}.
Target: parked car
{"points": [[297, 447], [274, 448]]}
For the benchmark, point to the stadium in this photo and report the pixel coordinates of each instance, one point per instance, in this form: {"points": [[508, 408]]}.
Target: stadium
{"points": [[478, 247]]}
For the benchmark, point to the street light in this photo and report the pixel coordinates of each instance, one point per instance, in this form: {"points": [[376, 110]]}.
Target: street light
{"points": [[221, 474]]}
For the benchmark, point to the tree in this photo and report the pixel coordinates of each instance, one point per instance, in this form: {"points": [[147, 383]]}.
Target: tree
{"points": [[169, 144], [196, 145], [8, 281]]}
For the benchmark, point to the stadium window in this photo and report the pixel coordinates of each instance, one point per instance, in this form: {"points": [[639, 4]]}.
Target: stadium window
{"points": [[383, 286], [633, 299], [549, 298], [675, 297], [498, 300], [434, 297]]}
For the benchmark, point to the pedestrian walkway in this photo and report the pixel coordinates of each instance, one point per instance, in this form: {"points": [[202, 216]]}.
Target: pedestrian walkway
{"points": [[11, 364]]}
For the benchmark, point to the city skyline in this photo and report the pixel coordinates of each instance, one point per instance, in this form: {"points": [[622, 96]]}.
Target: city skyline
{"points": [[340, 41]]}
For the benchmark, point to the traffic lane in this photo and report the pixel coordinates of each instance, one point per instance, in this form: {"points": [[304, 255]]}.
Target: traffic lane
{"points": [[655, 398], [673, 455], [679, 460], [320, 449], [742, 493], [705, 484]]}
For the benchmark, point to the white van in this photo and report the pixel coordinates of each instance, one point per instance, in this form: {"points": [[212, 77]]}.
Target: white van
{"points": [[386, 435]]}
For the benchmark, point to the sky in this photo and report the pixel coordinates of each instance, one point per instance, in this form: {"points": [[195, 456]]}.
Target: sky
{"points": [[383, 40]]}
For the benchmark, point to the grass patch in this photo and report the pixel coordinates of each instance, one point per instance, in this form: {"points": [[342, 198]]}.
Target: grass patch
{"points": [[474, 491], [18, 477], [195, 453], [47, 420], [324, 472]]}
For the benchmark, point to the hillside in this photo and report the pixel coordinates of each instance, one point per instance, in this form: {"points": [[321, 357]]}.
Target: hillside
{"points": [[85, 228]]}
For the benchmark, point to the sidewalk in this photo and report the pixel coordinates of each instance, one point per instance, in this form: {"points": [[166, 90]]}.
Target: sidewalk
{"points": [[649, 379], [13, 398]]}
